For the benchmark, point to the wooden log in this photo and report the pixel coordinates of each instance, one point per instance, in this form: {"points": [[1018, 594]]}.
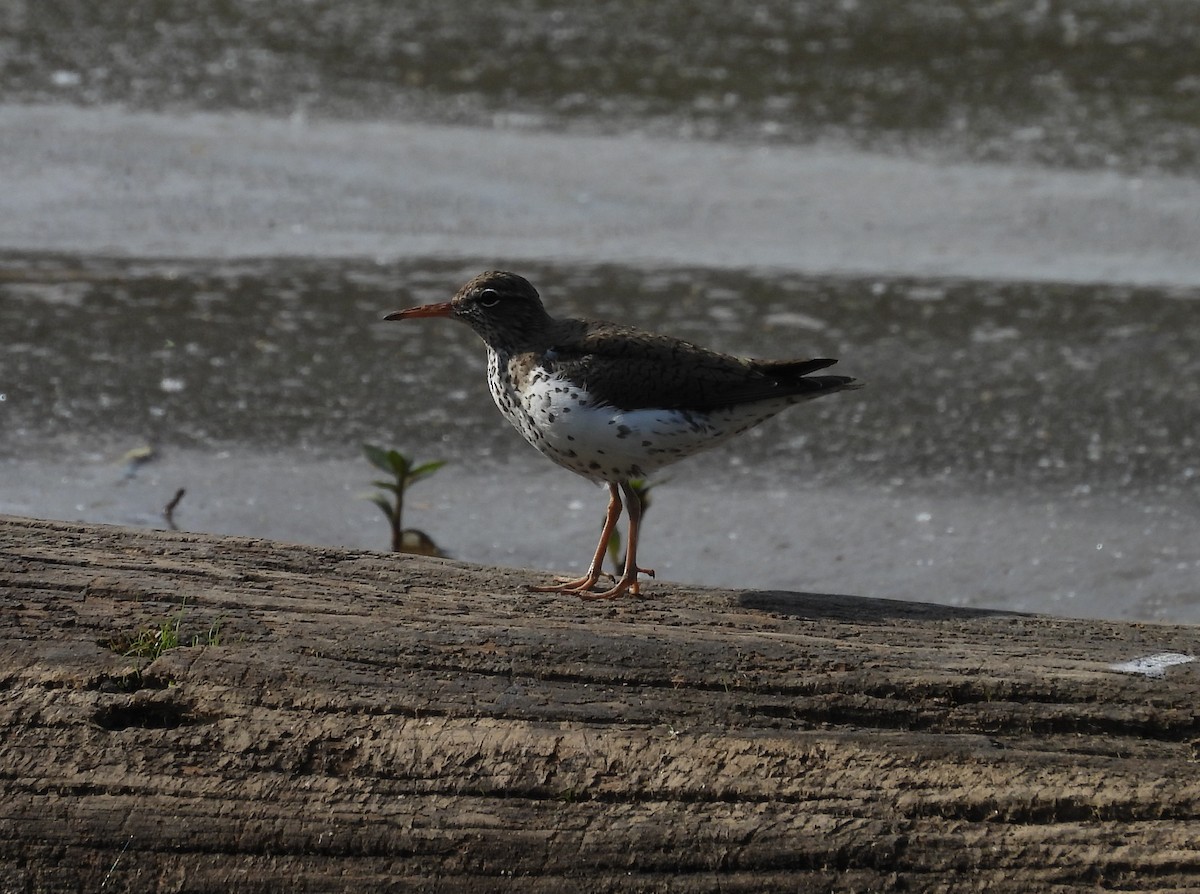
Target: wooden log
{"points": [[373, 721]]}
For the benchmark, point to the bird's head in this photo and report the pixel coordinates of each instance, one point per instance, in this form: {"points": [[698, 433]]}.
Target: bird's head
{"points": [[504, 309]]}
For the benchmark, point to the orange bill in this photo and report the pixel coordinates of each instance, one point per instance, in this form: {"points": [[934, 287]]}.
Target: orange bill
{"points": [[426, 310]]}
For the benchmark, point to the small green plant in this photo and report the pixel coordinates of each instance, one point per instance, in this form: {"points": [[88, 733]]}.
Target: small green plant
{"points": [[642, 489], [151, 640], [405, 473]]}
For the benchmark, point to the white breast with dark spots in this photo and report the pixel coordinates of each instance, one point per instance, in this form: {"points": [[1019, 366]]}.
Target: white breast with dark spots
{"points": [[605, 443]]}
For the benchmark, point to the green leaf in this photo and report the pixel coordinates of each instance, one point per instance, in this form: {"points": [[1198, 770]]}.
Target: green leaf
{"points": [[378, 457], [384, 506], [423, 471], [427, 468], [398, 462], [388, 485]]}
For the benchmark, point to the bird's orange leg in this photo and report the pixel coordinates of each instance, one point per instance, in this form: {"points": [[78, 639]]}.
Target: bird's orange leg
{"points": [[629, 579], [585, 583]]}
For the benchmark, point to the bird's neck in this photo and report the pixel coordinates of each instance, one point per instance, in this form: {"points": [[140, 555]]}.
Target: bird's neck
{"points": [[532, 338]]}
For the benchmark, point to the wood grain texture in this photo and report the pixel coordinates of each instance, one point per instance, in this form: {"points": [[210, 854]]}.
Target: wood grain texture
{"points": [[374, 721]]}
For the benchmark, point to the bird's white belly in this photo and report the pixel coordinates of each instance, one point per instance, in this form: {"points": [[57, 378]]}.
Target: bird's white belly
{"points": [[605, 443]]}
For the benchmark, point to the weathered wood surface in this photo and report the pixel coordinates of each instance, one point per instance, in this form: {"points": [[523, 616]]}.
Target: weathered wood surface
{"points": [[372, 721]]}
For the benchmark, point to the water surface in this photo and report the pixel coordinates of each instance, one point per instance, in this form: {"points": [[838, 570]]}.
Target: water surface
{"points": [[1079, 84]]}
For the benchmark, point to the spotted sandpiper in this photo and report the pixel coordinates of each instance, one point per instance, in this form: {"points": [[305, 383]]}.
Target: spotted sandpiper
{"points": [[613, 403]]}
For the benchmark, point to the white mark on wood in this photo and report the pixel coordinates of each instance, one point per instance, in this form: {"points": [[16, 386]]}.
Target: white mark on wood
{"points": [[1152, 665]]}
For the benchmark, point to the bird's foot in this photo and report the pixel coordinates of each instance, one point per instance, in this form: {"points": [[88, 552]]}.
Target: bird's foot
{"points": [[627, 584], [571, 585], [582, 587]]}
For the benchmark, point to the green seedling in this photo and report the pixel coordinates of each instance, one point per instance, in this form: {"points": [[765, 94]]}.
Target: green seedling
{"points": [[405, 473]]}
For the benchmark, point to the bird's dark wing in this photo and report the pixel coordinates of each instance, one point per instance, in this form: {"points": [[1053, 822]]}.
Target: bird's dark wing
{"points": [[630, 369]]}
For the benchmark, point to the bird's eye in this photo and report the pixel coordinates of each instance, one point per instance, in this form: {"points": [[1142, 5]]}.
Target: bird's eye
{"points": [[489, 298]]}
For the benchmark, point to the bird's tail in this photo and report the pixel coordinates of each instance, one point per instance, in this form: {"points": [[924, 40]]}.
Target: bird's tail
{"points": [[794, 376], [828, 384]]}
